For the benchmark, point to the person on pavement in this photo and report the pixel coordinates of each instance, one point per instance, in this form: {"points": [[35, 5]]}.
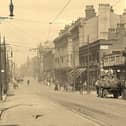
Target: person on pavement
{"points": [[97, 87], [28, 82]]}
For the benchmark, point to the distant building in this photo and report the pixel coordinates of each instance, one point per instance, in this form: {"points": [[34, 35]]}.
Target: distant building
{"points": [[42, 50], [48, 65]]}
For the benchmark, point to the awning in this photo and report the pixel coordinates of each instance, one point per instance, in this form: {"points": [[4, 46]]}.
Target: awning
{"points": [[75, 73]]}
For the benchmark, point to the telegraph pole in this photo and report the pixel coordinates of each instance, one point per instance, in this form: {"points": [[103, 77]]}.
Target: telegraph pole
{"points": [[88, 67], [1, 86], [5, 64], [74, 80]]}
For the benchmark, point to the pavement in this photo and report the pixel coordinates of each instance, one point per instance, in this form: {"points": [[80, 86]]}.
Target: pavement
{"points": [[24, 107]]}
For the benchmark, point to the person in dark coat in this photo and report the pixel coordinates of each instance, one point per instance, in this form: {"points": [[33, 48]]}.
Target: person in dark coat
{"points": [[28, 82]]}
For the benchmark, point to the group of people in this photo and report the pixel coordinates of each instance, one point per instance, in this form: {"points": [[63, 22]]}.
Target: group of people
{"points": [[16, 84], [62, 86]]}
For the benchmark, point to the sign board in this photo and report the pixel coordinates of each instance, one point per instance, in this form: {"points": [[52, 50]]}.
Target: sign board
{"points": [[104, 47]]}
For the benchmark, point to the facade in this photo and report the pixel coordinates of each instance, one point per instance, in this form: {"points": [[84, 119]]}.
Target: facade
{"points": [[97, 26], [102, 31], [63, 59], [116, 63], [91, 56], [48, 64], [42, 50]]}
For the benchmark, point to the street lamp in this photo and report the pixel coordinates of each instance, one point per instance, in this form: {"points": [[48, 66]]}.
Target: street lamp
{"points": [[11, 8]]}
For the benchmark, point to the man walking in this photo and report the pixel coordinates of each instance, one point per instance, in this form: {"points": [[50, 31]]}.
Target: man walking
{"points": [[28, 82]]}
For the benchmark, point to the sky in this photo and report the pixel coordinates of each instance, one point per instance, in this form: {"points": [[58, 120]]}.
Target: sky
{"points": [[30, 25]]}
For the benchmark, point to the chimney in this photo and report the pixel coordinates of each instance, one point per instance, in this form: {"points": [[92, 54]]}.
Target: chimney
{"points": [[120, 30], [112, 33], [90, 11], [124, 13]]}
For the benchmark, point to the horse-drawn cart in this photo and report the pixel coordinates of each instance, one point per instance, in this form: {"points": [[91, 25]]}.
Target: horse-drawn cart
{"points": [[109, 85]]}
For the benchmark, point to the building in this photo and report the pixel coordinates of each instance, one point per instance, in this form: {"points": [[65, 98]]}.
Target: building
{"points": [[100, 30], [116, 63], [63, 59], [42, 50], [91, 57], [97, 26], [48, 63]]}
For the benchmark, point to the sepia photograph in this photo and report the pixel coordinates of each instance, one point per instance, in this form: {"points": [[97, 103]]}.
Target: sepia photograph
{"points": [[62, 62]]}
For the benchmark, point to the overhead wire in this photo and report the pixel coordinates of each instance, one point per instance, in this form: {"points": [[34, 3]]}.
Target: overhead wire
{"points": [[53, 21], [61, 11], [14, 27]]}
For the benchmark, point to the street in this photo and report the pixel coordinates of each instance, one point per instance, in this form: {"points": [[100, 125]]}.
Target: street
{"points": [[63, 63], [37, 105]]}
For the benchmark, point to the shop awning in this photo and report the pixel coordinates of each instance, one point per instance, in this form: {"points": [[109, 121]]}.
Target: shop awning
{"points": [[75, 73]]}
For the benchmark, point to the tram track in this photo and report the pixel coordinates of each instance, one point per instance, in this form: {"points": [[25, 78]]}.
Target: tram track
{"points": [[85, 112], [81, 110], [102, 112]]}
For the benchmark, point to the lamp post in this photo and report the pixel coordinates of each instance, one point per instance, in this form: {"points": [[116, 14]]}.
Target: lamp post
{"points": [[11, 12], [1, 86], [11, 8]]}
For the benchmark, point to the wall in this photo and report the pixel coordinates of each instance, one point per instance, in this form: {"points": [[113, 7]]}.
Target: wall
{"points": [[91, 30], [114, 20], [48, 60], [103, 20], [63, 53], [106, 19]]}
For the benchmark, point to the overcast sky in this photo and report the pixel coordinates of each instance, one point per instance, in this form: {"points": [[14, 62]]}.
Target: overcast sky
{"points": [[30, 25]]}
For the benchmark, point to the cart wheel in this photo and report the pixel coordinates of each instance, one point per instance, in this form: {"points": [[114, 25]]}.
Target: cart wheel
{"points": [[104, 93], [115, 95]]}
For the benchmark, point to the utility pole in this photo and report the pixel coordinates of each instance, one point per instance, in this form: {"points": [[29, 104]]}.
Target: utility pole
{"points": [[88, 67], [5, 65], [1, 86], [124, 54], [74, 80]]}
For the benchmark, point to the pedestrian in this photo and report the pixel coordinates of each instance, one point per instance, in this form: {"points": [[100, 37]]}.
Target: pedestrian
{"points": [[85, 85], [28, 82], [15, 84], [97, 87], [56, 86]]}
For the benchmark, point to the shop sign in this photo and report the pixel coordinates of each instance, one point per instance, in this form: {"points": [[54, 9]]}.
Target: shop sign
{"points": [[104, 47]]}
